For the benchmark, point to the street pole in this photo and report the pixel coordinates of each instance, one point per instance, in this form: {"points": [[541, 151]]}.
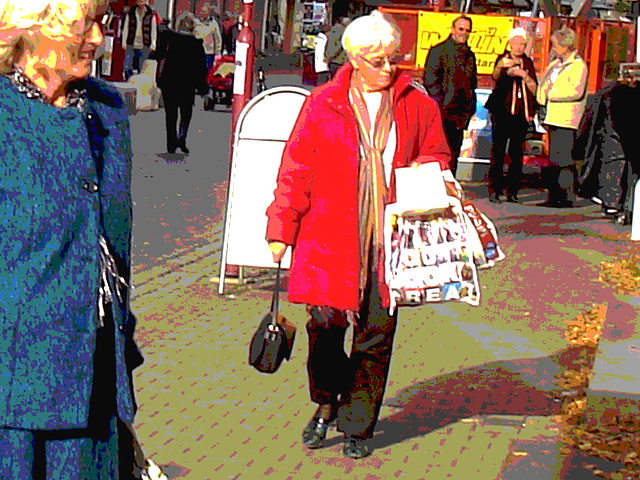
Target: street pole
{"points": [[245, 57], [242, 93]]}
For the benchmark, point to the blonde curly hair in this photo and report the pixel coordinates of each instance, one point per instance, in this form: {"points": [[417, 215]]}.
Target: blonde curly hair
{"points": [[22, 20]]}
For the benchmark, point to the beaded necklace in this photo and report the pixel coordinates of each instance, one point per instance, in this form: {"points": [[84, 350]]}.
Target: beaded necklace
{"points": [[76, 97]]}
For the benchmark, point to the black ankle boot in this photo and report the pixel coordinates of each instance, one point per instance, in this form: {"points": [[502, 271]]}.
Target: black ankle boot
{"points": [[316, 430], [182, 145], [355, 448]]}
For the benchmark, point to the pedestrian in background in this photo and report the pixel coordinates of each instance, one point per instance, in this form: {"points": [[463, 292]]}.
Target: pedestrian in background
{"points": [[512, 105], [139, 36], [563, 93], [182, 71], [334, 181], [451, 78], [66, 332], [230, 30], [334, 54], [208, 30]]}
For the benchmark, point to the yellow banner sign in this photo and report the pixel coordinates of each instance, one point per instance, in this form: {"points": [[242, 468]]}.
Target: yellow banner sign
{"points": [[487, 40]]}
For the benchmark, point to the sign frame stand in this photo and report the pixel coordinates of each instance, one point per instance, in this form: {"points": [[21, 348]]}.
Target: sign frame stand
{"points": [[229, 215]]}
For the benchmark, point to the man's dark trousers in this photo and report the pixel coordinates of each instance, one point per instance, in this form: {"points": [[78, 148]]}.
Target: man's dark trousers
{"points": [[359, 379], [454, 139]]}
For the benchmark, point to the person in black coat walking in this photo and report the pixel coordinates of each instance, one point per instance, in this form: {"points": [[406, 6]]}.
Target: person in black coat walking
{"points": [[182, 72], [451, 78]]}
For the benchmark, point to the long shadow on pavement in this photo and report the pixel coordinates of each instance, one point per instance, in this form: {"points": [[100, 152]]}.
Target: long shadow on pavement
{"points": [[173, 157], [557, 222], [516, 387]]}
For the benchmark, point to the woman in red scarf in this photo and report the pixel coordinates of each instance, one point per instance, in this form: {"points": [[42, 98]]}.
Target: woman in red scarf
{"points": [[512, 105], [336, 176]]}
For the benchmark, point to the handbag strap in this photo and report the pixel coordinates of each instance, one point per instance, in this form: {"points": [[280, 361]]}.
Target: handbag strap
{"points": [[276, 296]]}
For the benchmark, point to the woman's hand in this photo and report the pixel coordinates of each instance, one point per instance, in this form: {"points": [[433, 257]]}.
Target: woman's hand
{"points": [[517, 72], [278, 249], [506, 62], [453, 189]]}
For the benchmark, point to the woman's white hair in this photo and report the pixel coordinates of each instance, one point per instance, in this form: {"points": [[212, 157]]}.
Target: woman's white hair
{"points": [[369, 33], [20, 19], [518, 32]]}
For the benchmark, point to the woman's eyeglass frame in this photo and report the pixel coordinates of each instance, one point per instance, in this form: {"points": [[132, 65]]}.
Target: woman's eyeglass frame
{"points": [[380, 63]]}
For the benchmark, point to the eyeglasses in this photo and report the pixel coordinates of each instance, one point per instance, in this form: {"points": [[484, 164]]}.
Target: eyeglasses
{"points": [[379, 63]]}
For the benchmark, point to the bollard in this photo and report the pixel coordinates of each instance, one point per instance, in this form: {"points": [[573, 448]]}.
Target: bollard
{"points": [[635, 220], [242, 93], [243, 75]]}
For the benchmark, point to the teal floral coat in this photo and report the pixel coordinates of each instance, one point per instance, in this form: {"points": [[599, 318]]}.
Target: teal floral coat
{"points": [[65, 180]]}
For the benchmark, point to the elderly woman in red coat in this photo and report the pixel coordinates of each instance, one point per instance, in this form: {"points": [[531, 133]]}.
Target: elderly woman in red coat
{"points": [[336, 176]]}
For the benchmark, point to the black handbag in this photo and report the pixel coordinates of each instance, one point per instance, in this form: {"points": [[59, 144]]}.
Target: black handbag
{"points": [[272, 342]]}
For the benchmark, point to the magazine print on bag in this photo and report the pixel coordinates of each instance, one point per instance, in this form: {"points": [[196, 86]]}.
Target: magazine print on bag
{"points": [[433, 260]]}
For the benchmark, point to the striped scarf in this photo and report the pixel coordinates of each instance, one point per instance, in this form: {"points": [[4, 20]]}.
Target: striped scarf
{"points": [[519, 91], [372, 191]]}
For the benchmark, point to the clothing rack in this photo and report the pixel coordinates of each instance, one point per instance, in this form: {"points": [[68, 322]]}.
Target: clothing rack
{"points": [[630, 73]]}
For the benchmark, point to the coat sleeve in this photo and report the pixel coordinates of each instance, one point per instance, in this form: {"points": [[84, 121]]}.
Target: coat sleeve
{"points": [[474, 78], [474, 86], [292, 196], [542, 92], [217, 35], [201, 69], [434, 74], [531, 70], [125, 31], [161, 49], [154, 31]]}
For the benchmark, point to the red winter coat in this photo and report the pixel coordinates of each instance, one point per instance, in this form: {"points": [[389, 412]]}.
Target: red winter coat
{"points": [[316, 200]]}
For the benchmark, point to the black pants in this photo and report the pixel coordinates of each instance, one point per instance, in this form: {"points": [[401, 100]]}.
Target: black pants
{"points": [[513, 130], [356, 382], [454, 139], [560, 175], [175, 100]]}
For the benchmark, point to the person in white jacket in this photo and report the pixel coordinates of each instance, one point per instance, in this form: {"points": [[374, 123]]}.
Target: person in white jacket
{"points": [[562, 92], [208, 30]]}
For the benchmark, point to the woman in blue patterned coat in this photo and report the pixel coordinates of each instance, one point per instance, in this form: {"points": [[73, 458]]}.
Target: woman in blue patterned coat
{"points": [[66, 332]]}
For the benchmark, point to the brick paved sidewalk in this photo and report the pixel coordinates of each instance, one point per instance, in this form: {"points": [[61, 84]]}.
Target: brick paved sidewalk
{"points": [[472, 391]]}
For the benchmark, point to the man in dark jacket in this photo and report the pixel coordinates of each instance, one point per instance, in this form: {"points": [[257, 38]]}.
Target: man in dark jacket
{"points": [[182, 72], [450, 76]]}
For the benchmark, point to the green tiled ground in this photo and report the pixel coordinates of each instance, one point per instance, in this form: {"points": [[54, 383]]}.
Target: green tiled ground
{"points": [[205, 414]]}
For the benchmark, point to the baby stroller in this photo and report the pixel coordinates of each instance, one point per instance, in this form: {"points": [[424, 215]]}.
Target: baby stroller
{"points": [[220, 81]]}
